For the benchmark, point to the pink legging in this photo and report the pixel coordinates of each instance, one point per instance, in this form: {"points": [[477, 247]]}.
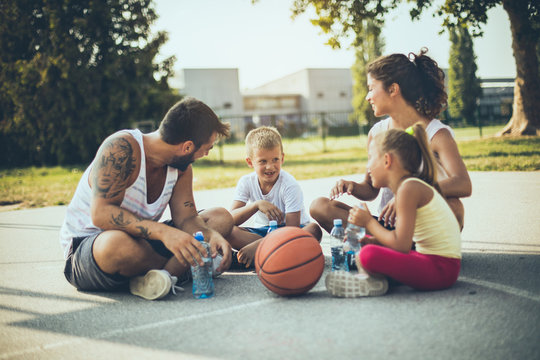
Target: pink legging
{"points": [[419, 271]]}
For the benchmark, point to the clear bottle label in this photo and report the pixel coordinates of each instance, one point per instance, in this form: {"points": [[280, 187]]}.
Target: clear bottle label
{"points": [[203, 284]]}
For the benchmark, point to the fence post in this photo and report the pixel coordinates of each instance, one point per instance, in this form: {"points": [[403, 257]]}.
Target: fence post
{"points": [[220, 146], [478, 118], [323, 130]]}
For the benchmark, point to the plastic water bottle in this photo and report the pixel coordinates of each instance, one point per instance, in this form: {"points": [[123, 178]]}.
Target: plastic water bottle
{"points": [[353, 235], [203, 285], [272, 226], [338, 257]]}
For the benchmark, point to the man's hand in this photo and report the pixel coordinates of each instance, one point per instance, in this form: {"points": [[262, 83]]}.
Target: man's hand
{"points": [[184, 247], [219, 245], [341, 187], [270, 210]]}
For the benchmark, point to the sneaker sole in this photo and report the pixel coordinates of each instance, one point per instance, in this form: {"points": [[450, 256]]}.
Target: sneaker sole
{"points": [[346, 285], [152, 286]]}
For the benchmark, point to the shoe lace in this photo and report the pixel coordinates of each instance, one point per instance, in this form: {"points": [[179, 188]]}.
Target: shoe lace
{"points": [[175, 287]]}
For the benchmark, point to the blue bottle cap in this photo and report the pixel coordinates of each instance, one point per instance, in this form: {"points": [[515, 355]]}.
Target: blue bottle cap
{"points": [[338, 222], [199, 236]]}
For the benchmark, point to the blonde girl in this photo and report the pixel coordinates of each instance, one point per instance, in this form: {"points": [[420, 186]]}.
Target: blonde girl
{"points": [[402, 161]]}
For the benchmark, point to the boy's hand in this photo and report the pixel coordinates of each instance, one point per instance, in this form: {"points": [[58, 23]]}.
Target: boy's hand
{"points": [[341, 187], [246, 255], [270, 210]]}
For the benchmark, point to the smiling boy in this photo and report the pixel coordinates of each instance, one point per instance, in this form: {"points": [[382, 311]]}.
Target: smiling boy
{"points": [[268, 193]]}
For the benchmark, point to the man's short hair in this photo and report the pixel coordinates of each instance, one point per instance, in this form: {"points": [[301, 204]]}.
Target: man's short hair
{"points": [[191, 119], [264, 137]]}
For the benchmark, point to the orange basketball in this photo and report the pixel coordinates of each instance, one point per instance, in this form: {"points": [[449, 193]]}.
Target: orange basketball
{"points": [[289, 261]]}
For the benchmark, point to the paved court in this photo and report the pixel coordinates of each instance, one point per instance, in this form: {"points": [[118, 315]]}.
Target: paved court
{"points": [[492, 312]]}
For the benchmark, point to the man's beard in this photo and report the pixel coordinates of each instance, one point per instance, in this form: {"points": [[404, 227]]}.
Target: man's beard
{"points": [[182, 162]]}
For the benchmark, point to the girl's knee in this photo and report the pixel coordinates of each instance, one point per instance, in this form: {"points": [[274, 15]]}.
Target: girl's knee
{"points": [[367, 256]]}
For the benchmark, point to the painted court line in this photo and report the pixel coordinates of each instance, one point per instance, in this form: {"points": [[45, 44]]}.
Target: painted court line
{"points": [[504, 288], [122, 331]]}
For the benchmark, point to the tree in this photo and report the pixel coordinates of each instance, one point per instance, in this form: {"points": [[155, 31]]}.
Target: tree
{"points": [[341, 17], [74, 71], [368, 46], [463, 85]]}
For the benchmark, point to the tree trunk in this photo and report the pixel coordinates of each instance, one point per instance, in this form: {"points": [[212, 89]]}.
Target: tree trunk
{"points": [[526, 109]]}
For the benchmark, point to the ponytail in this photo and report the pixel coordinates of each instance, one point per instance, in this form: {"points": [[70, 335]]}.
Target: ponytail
{"points": [[412, 148], [427, 170]]}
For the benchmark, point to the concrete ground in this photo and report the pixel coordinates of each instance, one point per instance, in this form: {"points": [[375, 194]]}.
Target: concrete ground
{"points": [[492, 312]]}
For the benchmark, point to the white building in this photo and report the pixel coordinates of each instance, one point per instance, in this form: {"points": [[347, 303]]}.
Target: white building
{"points": [[287, 102], [328, 90], [218, 88]]}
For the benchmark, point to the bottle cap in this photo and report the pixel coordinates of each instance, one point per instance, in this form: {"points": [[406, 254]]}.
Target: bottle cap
{"points": [[199, 236], [338, 222], [272, 223]]}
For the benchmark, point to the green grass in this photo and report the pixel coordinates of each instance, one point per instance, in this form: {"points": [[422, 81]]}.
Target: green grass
{"points": [[502, 154], [38, 187], [304, 159]]}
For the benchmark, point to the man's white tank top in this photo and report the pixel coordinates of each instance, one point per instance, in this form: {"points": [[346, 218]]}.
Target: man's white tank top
{"points": [[78, 221], [431, 129]]}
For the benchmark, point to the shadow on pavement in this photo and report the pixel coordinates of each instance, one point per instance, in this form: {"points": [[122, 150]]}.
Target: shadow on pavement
{"points": [[493, 311]]}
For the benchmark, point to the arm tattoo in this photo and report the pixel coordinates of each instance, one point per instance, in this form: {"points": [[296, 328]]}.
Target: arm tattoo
{"points": [[120, 220], [189, 204], [144, 233], [114, 168]]}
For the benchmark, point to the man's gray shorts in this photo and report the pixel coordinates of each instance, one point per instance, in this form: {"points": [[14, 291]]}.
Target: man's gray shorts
{"points": [[82, 271]]}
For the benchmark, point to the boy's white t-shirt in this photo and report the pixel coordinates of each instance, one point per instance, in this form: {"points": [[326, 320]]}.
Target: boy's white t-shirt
{"points": [[286, 194]]}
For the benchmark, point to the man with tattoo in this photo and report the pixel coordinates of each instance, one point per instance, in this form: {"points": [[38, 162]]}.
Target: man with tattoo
{"points": [[112, 237]]}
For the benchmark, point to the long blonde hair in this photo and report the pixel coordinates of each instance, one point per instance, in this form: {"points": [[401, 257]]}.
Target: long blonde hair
{"points": [[412, 148]]}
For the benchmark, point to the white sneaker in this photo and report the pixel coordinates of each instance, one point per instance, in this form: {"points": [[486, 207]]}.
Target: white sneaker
{"points": [[154, 285], [347, 285]]}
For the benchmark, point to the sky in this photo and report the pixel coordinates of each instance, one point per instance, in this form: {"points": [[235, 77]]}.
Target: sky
{"points": [[264, 43]]}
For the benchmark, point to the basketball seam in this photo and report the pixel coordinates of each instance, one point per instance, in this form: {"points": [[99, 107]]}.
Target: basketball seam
{"points": [[292, 267], [302, 289], [277, 248]]}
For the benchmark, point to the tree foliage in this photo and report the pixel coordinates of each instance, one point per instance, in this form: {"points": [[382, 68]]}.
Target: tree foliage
{"points": [[463, 85], [361, 22], [369, 46], [74, 71], [343, 18]]}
